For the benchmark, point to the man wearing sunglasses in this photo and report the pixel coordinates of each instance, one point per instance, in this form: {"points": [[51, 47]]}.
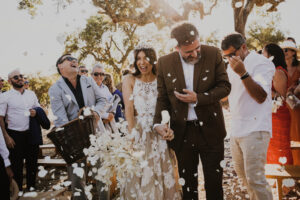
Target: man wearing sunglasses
{"points": [[16, 105], [98, 74], [83, 71], [250, 75], [67, 96]]}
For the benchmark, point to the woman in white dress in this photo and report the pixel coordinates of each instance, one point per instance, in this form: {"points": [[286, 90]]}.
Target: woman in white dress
{"points": [[158, 178]]}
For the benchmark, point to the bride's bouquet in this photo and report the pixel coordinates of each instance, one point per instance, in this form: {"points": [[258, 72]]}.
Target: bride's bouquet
{"points": [[117, 156]]}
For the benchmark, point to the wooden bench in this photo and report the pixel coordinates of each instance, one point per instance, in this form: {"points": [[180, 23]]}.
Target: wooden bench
{"points": [[58, 162], [46, 146], [295, 145], [279, 173]]}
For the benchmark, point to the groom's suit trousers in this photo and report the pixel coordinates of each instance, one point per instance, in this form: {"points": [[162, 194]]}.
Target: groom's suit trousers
{"points": [[195, 146]]}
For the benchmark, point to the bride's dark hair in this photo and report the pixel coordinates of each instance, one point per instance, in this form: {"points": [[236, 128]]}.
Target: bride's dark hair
{"points": [[150, 55]]}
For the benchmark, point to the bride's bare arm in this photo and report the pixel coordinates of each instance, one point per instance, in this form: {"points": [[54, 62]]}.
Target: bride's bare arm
{"points": [[127, 89]]}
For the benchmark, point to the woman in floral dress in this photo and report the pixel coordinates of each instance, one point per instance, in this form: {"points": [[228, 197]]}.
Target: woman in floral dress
{"points": [[157, 180]]}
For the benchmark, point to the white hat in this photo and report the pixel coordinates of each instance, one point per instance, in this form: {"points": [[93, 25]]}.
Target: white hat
{"points": [[290, 45]]}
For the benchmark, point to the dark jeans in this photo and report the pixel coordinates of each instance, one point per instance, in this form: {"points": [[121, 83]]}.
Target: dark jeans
{"points": [[23, 150], [4, 181], [194, 145]]}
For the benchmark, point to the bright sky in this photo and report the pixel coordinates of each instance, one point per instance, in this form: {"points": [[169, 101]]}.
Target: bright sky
{"points": [[34, 44]]}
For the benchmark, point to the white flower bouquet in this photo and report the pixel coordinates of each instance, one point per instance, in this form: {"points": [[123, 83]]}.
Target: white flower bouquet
{"points": [[117, 155]]}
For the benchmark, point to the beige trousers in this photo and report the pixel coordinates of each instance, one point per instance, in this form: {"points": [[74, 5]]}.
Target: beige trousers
{"points": [[249, 155]]}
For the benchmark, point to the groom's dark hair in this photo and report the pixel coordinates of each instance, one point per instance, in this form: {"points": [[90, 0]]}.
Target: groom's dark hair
{"points": [[185, 33]]}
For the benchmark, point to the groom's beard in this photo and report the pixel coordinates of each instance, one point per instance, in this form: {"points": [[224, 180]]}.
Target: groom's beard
{"points": [[191, 60], [16, 85]]}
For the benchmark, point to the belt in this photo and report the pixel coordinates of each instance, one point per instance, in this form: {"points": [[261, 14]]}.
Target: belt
{"points": [[195, 122], [14, 131]]}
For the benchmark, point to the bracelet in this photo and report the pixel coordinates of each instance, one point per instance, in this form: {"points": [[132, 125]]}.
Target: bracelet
{"points": [[246, 75]]}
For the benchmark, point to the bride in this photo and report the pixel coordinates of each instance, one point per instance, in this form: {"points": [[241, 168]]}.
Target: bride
{"points": [[158, 178]]}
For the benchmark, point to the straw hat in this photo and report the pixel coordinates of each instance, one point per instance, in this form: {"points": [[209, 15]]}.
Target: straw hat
{"points": [[290, 45], [14, 190]]}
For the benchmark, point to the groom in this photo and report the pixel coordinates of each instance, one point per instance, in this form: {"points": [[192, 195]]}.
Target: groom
{"points": [[191, 82]]}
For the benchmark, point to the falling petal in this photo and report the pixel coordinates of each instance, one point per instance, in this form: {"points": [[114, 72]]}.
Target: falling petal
{"points": [[205, 78], [181, 181]]}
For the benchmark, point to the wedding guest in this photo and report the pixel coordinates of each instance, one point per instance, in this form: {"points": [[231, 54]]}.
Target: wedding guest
{"points": [[293, 67], [1, 84], [6, 173], [67, 96], [83, 71], [191, 81], [98, 74], [109, 82], [250, 75], [279, 145], [17, 106], [26, 83], [157, 180]]}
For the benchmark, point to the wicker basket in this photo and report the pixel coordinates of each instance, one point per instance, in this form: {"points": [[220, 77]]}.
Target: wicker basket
{"points": [[74, 137]]}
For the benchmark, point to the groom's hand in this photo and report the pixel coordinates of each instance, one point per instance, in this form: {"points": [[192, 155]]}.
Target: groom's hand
{"points": [[189, 97], [165, 131]]}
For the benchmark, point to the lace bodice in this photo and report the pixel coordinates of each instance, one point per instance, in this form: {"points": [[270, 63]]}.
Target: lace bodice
{"points": [[144, 97]]}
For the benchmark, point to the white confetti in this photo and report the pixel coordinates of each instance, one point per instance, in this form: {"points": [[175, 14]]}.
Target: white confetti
{"points": [[42, 173], [27, 113], [192, 33], [131, 97], [207, 71], [282, 160], [66, 183], [87, 111], [78, 171], [76, 194], [81, 117], [165, 117], [215, 114], [223, 163], [201, 123], [205, 93], [59, 129], [238, 4], [289, 182], [205, 78], [30, 194], [181, 181], [68, 97], [174, 80], [169, 75]]}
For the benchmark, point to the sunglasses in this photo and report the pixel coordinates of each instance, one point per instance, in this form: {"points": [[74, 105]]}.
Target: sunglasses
{"points": [[1, 80], [99, 74], [84, 71], [68, 58], [286, 50], [17, 77]]}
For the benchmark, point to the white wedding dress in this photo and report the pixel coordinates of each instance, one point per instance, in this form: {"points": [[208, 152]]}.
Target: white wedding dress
{"points": [[157, 181]]}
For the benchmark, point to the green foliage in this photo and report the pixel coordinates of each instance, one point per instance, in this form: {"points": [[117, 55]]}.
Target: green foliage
{"points": [[258, 36], [105, 41], [6, 86], [30, 5], [40, 85]]}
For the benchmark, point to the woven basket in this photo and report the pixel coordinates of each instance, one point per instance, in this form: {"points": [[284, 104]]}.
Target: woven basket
{"points": [[74, 137]]}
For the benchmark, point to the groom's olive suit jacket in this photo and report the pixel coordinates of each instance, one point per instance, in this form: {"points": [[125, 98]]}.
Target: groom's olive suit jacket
{"points": [[211, 85]]}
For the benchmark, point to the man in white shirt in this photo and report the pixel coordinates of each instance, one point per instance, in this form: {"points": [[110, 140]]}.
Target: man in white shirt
{"points": [[250, 75], [16, 105]]}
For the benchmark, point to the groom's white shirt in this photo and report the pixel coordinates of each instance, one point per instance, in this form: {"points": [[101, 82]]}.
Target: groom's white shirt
{"points": [[188, 71]]}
